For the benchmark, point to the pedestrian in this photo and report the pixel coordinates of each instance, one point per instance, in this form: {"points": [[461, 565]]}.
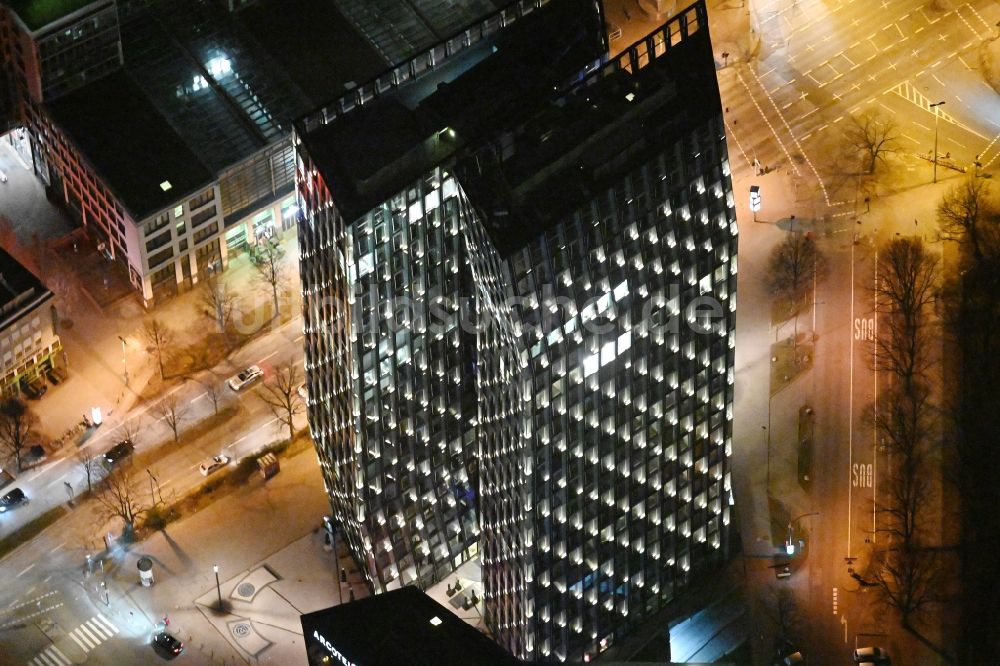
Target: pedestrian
{"points": [[914, 221]]}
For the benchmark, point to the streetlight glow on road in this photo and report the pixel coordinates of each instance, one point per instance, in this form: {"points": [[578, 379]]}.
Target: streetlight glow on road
{"points": [[935, 107]]}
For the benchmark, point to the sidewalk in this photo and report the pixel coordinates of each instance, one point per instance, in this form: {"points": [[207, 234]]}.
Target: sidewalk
{"points": [[94, 350], [272, 568]]}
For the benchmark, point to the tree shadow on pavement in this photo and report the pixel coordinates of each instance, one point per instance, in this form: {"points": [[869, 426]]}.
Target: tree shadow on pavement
{"points": [[182, 556]]}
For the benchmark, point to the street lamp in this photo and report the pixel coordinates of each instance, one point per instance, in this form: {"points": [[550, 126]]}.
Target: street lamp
{"points": [[124, 364], [790, 542], [152, 494], [218, 589], [935, 107], [763, 434]]}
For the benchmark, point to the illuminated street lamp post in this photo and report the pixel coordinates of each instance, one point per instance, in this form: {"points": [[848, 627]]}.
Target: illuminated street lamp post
{"points": [[790, 542], [218, 589], [124, 364], [935, 107]]}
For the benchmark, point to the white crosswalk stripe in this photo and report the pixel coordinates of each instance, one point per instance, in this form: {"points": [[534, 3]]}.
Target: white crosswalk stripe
{"points": [[106, 622], [85, 646], [51, 656], [93, 632]]}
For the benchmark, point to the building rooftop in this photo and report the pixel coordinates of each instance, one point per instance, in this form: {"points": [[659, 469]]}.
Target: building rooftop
{"points": [[314, 43], [535, 126], [19, 288], [576, 144], [36, 14], [373, 151], [402, 626], [397, 29], [217, 87], [130, 144]]}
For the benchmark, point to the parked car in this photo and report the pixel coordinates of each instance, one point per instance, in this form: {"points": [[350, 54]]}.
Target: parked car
{"points": [[12, 500], [871, 655], [167, 644], [120, 450], [245, 378], [56, 375], [3, 177], [34, 388], [303, 391], [212, 464]]}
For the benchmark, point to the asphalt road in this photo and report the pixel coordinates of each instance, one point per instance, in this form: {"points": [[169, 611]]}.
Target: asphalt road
{"points": [[820, 63], [45, 597]]}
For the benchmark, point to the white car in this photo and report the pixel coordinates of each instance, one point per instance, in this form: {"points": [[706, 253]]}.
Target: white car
{"points": [[302, 391], [3, 177], [870, 655], [245, 378], [212, 464]]}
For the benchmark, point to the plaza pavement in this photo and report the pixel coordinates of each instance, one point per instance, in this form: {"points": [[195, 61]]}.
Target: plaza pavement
{"points": [[272, 568]]}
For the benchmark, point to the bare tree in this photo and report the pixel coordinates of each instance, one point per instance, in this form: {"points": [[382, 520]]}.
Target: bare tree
{"points": [[270, 271], [904, 291], [783, 610], [282, 396], [129, 430], [220, 303], [17, 424], [159, 337], [119, 497], [172, 411], [91, 465], [967, 214], [793, 265], [212, 391], [909, 580], [873, 135]]}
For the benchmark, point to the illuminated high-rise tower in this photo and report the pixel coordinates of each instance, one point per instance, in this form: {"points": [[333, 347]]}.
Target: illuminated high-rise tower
{"points": [[518, 259]]}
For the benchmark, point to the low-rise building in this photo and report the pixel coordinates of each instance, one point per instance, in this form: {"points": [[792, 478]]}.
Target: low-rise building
{"points": [[29, 339]]}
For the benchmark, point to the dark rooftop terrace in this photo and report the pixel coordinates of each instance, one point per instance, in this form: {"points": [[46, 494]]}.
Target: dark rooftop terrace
{"points": [[130, 144], [403, 626], [39, 13], [19, 288], [373, 151], [313, 42]]}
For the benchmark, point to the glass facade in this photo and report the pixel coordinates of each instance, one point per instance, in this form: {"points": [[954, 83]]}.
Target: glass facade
{"points": [[549, 390]]}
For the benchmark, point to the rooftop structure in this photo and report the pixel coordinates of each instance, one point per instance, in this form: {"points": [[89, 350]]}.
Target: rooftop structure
{"points": [[114, 124], [29, 342], [404, 626], [38, 14]]}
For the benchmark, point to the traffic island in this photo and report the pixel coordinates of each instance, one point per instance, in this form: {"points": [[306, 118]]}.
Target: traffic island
{"points": [[805, 447], [789, 360]]}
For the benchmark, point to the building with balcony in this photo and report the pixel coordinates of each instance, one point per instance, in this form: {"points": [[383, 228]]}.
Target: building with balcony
{"points": [[29, 339], [518, 261]]}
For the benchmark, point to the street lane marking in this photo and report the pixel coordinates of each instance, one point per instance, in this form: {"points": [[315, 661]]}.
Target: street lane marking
{"points": [[84, 647], [27, 569], [51, 656], [268, 356], [93, 632], [107, 622], [198, 397]]}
